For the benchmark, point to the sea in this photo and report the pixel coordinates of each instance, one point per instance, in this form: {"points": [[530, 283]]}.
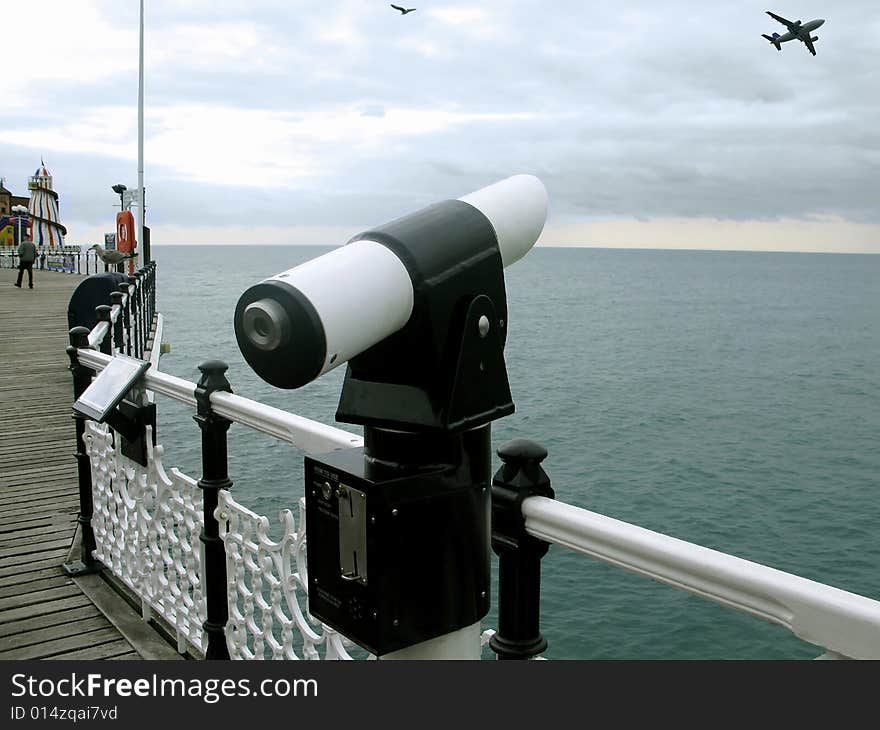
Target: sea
{"points": [[730, 399]]}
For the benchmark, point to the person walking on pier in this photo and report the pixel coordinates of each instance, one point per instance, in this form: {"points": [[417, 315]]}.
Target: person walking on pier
{"points": [[27, 254]]}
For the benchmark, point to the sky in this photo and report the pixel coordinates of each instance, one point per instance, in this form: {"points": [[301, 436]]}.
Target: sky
{"points": [[652, 124]]}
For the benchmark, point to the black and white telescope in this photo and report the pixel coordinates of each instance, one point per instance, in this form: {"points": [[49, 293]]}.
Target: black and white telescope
{"points": [[301, 323], [399, 528]]}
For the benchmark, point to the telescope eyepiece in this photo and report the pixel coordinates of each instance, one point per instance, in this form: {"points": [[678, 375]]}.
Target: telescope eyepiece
{"points": [[266, 325]]}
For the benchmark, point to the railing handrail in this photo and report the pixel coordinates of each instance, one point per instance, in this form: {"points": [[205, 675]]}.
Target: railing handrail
{"points": [[843, 622], [304, 433]]}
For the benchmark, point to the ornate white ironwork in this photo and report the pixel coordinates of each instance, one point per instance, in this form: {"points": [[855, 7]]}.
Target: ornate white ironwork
{"points": [[147, 524], [267, 580]]}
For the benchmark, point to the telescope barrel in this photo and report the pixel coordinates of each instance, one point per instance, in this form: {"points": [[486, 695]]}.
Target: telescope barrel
{"points": [[301, 323]]}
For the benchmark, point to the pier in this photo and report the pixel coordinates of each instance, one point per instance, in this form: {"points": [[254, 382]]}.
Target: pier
{"points": [[44, 614]]}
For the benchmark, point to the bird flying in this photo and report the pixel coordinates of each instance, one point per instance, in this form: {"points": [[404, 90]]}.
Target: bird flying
{"points": [[403, 11], [112, 257]]}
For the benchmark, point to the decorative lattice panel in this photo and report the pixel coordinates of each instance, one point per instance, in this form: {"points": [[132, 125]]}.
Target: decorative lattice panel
{"points": [[268, 579], [147, 524]]}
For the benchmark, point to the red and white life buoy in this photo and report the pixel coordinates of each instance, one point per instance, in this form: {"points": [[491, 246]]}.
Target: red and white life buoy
{"points": [[125, 240]]}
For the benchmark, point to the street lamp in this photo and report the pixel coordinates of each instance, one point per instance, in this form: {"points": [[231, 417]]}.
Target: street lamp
{"points": [[119, 189], [19, 210]]}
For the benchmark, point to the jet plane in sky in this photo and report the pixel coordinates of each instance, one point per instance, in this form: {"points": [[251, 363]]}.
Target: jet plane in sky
{"points": [[796, 30]]}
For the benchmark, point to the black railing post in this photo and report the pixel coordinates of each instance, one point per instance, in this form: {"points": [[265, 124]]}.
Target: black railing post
{"points": [[139, 295], [116, 299], [148, 299], [126, 317], [215, 476], [102, 311], [153, 290], [132, 298], [82, 378], [519, 554]]}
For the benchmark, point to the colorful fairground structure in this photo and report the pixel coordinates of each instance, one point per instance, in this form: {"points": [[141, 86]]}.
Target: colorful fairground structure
{"points": [[35, 218], [46, 228]]}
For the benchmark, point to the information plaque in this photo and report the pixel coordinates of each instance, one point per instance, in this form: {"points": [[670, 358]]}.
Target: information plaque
{"points": [[110, 387]]}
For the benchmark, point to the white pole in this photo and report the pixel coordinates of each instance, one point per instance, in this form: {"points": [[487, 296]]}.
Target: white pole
{"points": [[461, 644], [140, 258]]}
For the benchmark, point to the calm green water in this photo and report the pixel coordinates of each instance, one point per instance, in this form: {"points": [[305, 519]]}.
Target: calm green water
{"points": [[728, 399]]}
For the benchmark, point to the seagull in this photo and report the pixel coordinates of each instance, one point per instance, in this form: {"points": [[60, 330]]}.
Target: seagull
{"points": [[112, 257], [403, 11]]}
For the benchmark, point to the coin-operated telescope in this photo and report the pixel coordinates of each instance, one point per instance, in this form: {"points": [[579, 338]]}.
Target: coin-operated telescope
{"points": [[398, 530]]}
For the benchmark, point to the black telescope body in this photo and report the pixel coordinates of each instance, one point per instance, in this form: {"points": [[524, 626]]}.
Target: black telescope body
{"points": [[413, 379]]}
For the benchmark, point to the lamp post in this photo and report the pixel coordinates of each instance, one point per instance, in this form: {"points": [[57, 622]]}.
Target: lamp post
{"points": [[119, 189], [19, 211]]}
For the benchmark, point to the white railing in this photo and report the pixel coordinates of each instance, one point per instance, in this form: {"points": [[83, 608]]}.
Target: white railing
{"points": [[303, 433], [66, 259], [844, 623], [147, 524]]}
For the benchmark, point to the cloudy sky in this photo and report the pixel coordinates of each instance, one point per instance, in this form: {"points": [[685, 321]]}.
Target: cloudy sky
{"points": [[652, 124]]}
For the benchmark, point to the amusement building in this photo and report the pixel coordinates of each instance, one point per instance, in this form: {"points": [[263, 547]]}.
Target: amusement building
{"points": [[35, 217]]}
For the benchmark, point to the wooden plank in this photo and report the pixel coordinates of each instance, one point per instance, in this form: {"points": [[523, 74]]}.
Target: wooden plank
{"points": [[36, 585], [36, 458], [71, 615], [48, 546], [54, 484], [18, 523], [33, 536], [118, 649], [47, 634], [86, 640], [40, 488], [11, 477], [31, 575], [41, 609], [23, 566], [36, 499], [46, 493], [13, 602], [45, 535], [60, 506]]}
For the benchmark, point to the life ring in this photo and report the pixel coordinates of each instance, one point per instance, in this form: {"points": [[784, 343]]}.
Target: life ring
{"points": [[125, 240]]}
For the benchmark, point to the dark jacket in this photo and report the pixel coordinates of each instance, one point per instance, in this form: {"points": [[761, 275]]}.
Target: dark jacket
{"points": [[27, 252]]}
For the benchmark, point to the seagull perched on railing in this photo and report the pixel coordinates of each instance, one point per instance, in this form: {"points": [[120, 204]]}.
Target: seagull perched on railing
{"points": [[403, 11], [112, 257]]}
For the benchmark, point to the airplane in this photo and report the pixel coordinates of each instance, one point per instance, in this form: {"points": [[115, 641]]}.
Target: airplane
{"points": [[796, 30]]}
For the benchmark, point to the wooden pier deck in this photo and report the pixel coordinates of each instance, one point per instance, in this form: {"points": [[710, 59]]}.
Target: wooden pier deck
{"points": [[44, 614]]}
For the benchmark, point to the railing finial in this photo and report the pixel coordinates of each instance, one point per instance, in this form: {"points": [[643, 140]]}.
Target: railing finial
{"points": [[519, 566]]}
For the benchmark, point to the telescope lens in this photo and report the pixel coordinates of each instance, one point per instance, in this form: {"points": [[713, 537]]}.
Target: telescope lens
{"points": [[266, 324]]}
